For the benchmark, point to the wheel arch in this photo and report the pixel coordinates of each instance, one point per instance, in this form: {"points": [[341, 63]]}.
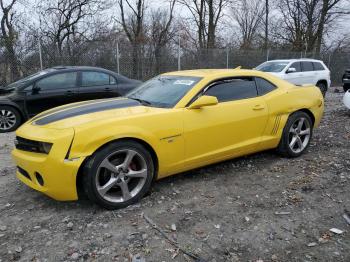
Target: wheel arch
{"points": [[323, 81], [79, 177], [308, 112], [19, 110]]}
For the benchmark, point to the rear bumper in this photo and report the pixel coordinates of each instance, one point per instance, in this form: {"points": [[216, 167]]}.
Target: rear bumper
{"points": [[51, 173]]}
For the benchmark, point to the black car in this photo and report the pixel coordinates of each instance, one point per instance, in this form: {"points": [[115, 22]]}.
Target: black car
{"points": [[346, 80], [56, 86]]}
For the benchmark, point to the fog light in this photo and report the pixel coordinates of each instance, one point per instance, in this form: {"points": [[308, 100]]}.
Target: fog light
{"points": [[39, 178]]}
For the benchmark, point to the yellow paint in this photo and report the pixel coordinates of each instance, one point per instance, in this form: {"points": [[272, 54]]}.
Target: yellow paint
{"points": [[182, 138]]}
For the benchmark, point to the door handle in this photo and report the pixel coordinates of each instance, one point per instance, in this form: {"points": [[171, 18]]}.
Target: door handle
{"points": [[108, 89], [258, 107]]}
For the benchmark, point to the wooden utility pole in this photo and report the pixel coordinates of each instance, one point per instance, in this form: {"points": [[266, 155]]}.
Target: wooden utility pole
{"points": [[266, 24]]}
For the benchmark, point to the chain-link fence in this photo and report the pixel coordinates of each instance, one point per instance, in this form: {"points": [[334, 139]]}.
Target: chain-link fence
{"points": [[144, 62]]}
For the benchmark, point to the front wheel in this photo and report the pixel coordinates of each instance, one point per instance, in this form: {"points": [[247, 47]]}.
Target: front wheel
{"points": [[119, 175], [296, 135], [10, 119]]}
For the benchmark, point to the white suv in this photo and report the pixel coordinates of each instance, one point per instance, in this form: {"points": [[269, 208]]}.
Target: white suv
{"points": [[300, 72]]}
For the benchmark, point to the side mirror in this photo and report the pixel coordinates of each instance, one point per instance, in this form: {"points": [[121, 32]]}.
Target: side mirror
{"points": [[203, 101], [36, 89], [291, 70]]}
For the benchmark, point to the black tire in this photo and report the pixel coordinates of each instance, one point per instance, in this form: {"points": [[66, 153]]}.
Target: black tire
{"points": [[10, 119], [346, 88], [284, 147], [94, 169], [323, 87]]}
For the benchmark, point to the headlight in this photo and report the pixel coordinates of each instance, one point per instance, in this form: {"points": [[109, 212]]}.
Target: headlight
{"points": [[45, 147], [32, 146]]}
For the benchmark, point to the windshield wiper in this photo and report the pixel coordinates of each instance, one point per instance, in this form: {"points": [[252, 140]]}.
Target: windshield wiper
{"points": [[143, 102]]}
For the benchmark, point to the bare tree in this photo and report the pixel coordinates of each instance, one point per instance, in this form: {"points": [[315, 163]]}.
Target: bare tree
{"points": [[206, 15], [132, 21], [161, 31], [249, 14], [9, 37], [63, 21], [305, 21]]}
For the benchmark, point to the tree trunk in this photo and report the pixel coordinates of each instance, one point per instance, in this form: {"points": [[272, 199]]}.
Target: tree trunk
{"points": [[211, 25]]}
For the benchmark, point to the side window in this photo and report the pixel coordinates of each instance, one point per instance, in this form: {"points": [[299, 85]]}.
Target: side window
{"points": [[234, 89], [307, 66], [264, 86], [58, 81], [318, 66], [112, 80], [297, 66], [94, 79]]}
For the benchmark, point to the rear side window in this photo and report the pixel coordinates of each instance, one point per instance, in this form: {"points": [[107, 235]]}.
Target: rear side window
{"points": [[297, 66], [233, 89], [318, 66], [58, 81], [95, 79], [112, 80], [307, 66], [264, 86]]}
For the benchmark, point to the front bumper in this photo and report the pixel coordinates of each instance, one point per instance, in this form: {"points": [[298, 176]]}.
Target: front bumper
{"points": [[51, 174]]}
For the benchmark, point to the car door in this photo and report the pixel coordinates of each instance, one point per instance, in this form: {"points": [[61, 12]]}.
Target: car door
{"points": [[297, 77], [96, 85], [320, 72], [309, 75], [51, 91], [232, 127]]}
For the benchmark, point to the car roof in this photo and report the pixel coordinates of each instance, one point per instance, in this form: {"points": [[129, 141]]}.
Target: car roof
{"points": [[89, 68], [216, 73], [295, 60], [205, 72]]}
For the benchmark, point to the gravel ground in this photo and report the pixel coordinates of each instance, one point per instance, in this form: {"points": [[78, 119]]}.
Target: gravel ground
{"points": [[257, 208]]}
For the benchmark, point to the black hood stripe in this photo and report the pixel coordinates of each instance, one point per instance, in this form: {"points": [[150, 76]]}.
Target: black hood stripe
{"points": [[87, 109], [68, 106]]}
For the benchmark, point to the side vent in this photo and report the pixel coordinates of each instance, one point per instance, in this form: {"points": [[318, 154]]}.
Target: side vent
{"points": [[276, 125]]}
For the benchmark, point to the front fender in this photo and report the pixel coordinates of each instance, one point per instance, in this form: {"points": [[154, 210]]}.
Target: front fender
{"points": [[84, 146], [22, 111]]}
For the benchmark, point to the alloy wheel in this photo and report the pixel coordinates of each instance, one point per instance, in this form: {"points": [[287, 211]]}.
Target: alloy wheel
{"points": [[7, 119], [121, 176], [299, 135]]}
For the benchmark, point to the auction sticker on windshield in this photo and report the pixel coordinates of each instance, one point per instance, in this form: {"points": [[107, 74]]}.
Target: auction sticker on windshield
{"points": [[184, 82]]}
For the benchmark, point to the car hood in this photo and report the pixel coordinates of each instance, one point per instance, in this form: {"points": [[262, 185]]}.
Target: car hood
{"points": [[6, 91], [77, 114]]}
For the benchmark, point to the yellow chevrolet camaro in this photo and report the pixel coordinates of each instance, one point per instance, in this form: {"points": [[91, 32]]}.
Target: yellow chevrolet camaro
{"points": [[114, 148]]}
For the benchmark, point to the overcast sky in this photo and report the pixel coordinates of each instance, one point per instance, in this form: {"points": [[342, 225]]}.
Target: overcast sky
{"points": [[27, 8]]}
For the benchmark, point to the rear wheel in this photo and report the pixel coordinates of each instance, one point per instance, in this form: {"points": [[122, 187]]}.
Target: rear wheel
{"points": [[323, 87], [296, 135], [10, 119], [119, 175]]}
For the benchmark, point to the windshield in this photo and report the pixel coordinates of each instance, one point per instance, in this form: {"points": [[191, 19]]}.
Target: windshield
{"points": [[28, 78], [272, 66], [163, 91]]}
